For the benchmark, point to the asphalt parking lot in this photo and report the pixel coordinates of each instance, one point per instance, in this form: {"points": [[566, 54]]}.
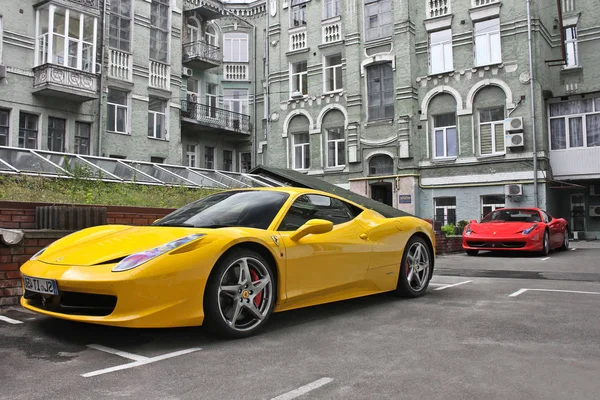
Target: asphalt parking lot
{"points": [[490, 327]]}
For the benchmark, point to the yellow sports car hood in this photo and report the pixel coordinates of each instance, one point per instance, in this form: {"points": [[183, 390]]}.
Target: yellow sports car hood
{"points": [[108, 243]]}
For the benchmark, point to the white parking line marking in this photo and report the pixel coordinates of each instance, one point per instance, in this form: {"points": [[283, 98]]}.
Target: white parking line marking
{"points": [[139, 360], [303, 389], [454, 284], [574, 248], [436, 284], [10, 320], [544, 259], [521, 291]]}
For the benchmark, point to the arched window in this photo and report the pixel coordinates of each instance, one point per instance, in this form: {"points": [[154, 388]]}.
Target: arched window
{"points": [[193, 30], [299, 127], [442, 114], [489, 119], [380, 165], [210, 35]]}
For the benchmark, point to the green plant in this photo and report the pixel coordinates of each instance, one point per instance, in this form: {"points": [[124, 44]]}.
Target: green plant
{"points": [[448, 229], [461, 224]]}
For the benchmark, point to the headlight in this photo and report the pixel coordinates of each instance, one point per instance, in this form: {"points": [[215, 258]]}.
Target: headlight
{"points": [[528, 230], [137, 259], [468, 230], [39, 253]]}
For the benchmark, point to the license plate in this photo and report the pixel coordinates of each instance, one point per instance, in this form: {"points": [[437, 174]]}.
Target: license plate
{"points": [[39, 285]]}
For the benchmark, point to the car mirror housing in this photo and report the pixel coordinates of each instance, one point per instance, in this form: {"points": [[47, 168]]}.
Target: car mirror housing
{"points": [[473, 221], [314, 226]]}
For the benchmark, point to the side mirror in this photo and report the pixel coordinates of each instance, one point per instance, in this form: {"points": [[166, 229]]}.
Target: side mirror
{"points": [[473, 221], [312, 227]]}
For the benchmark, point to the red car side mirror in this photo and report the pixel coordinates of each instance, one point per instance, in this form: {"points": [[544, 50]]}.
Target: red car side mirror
{"points": [[473, 221]]}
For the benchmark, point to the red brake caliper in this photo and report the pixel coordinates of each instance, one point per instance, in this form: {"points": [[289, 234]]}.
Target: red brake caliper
{"points": [[259, 296]]}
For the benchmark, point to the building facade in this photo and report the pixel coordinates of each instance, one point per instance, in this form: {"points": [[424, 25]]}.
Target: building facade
{"points": [[428, 105]]}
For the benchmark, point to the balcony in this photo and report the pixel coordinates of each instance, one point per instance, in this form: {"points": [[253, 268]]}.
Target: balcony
{"points": [[203, 118], [160, 76], [208, 9], [332, 32], [438, 8], [120, 65], [235, 72], [65, 83], [201, 55], [298, 40]]}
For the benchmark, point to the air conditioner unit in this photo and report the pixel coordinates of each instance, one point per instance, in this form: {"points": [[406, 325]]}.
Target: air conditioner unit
{"points": [[187, 71], [595, 189], [514, 189], [514, 140], [513, 124], [595, 211]]}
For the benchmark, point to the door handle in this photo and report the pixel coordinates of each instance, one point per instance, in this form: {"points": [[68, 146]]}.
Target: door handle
{"points": [[363, 236]]}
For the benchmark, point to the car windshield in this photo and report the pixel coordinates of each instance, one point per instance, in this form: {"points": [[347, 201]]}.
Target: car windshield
{"points": [[513, 215], [241, 208]]}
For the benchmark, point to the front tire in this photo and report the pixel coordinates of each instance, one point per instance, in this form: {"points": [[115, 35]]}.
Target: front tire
{"points": [[240, 295], [545, 244], [416, 268], [472, 252], [565, 245]]}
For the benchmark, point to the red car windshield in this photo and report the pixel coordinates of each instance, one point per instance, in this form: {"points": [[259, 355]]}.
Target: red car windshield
{"points": [[513, 215]]}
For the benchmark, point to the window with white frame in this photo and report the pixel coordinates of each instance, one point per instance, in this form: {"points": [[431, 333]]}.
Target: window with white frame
{"points": [[117, 111], [191, 157], [440, 51], [381, 165], [490, 203], [445, 210], [192, 89], [575, 124], [299, 78], [83, 134], [301, 150], [444, 135], [487, 42], [157, 127], [227, 160], [56, 134], [159, 30], [571, 46], [28, 130], [378, 19], [66, 38], [4, 125], [210, 35], [298, 13], [491, 131], [333, 73], [236, 100], [380, 91], [209, 157], [336, 147], [119, 31], [235, 47], [245, 162], [211, 100], [331, 8]]}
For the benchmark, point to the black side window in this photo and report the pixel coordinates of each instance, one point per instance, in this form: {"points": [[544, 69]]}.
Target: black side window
{"points": [[547, 217], [312, 206]]}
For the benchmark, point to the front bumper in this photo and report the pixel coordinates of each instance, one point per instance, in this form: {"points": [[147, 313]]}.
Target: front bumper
{"points": [[144, 297], [532, 242]]}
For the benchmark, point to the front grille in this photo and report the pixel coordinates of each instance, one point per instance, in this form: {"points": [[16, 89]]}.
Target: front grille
{"points": [[495, 245], [73, 303]]}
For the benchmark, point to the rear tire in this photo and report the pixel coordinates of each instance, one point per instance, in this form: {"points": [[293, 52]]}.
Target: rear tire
{"points": [[472, 252], [545, 244], [416, 268], [565, 245]]}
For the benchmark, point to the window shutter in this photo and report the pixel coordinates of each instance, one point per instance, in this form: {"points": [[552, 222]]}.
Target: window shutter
{"points": [[485, 137], [499, 138]]}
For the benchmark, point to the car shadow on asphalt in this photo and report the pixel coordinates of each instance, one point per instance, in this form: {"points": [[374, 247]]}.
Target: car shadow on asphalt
{"points": [[516, 254]]}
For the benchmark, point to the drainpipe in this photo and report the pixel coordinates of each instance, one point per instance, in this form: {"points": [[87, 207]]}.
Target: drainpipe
{"points": [[102, 79], [532, 94]]}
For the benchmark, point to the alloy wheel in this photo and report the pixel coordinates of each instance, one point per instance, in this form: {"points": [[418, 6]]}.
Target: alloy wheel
{"points": [[417, 266]]}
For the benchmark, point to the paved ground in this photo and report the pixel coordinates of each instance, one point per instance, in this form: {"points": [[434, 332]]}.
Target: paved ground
{"points": [[483, 338]]}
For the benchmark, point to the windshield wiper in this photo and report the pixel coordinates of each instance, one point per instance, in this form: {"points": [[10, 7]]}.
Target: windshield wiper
{"points": [[177, 225]]}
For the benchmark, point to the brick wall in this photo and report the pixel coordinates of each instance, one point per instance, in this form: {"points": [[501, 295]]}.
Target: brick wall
{"points": [[447, 244]]}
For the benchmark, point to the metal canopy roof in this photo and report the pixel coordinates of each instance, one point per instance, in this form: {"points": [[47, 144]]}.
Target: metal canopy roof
{"points": [[14, 160]]}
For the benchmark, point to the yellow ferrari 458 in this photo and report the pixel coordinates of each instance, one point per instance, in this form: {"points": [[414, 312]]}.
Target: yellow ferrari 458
{"points": [[228, 261]]}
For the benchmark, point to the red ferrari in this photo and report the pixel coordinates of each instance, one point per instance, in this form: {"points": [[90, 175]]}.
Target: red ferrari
{"points": [[523, 229]]}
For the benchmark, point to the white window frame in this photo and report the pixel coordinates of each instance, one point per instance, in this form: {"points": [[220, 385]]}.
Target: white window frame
{"points": [[7, 126], [38, 137], [235, 47], [445, 208], [232, 159], [120, 17], [78, 138], [211, 99], [382, 30], [446, 52], [191, 155], [298, 9], [338, 144], [116, 107], [158, 31], [444, 130], [584, 122], [333, 68], [571, 46], [493, 126], [305, 151], [155, 115], [302, 76], [331, 9], [44, 42], [494, 205], [487, 46], [211, 37]]}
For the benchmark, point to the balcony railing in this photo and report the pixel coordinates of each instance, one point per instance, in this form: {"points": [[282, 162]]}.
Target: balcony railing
{"points": [[479, 3], [235, 72], [120, 65], [298, 40], [216, 117], [160, 75], [202, 51], [332, 32], [438, 8], [63, 81]]}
